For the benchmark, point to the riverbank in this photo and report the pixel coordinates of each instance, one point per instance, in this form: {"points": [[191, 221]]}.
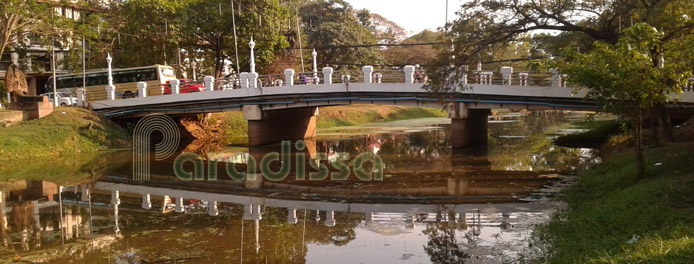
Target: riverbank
{"points": [[234, 129], [614, 217], [69, 133]]}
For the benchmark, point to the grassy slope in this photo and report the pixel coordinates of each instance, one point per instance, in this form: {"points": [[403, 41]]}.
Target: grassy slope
{"points": [[598, 133], [65, 132], [361, 114], [236, 129], [609, 205]]}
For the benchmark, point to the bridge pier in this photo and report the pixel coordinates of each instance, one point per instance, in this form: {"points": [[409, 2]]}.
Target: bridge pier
{"points": [[268, 127], [468, 126]]}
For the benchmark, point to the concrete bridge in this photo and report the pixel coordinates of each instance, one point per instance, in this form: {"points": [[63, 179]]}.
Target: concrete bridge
{"points": [[268, 101]]}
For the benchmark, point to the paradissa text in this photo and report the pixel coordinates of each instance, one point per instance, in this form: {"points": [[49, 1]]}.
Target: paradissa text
{"points": [[284, 158]]}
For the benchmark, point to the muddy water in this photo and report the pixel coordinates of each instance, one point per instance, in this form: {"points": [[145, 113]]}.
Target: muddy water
{"points": [[432, 205]]}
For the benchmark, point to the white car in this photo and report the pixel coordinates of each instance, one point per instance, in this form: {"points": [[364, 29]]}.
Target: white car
{"points": [[64, 99]]}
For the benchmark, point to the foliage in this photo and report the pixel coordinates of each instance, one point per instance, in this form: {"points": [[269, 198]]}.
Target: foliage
{"points": [[609, 206], [206, 26], [631, 77], [142, 32], [386, 31], [593, 138], [334, 26], [411, 55], [23, 22], [483, 24]]}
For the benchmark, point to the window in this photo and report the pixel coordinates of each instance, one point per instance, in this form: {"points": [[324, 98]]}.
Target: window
{"points": [[125, 77], [147, 75], [96, 79]]}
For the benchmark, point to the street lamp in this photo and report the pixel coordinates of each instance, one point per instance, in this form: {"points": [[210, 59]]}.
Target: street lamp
{"points": [[252, 46], [110, 74], [193, 64], [315, 67]]}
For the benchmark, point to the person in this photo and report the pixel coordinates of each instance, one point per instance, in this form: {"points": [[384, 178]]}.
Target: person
{"points": [[417, 74], [302, 79]]}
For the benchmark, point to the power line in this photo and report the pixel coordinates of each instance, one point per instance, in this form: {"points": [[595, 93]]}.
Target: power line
{"points": [[373, 45]]}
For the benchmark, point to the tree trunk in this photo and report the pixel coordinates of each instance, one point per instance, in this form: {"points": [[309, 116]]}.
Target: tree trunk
{"points": [[664, 132], [638, 136]]}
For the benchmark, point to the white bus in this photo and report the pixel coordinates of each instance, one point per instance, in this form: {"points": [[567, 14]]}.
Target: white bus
{"points": [[125, 80]]}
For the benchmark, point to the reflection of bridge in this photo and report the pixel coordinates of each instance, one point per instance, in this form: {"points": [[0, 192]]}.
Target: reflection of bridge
{"points": [[267, 107], [252, 203]]}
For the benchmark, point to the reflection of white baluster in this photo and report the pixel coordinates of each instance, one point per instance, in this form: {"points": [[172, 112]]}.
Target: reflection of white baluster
{"points": [[146, 202], [317, 216], [85, 192], [291, 216], [505, 223], [179, 205], [411, 221], [247, 212], [369, 217], [257, 214], [212, 208], [329, 218], [115, 218]]}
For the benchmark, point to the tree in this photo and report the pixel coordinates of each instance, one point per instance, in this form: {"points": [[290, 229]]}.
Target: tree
{"points": [[333, 26], [143, 32], [633, 76], [206, 25], [19, 17], [26, 21], [411, 55], [385, 31], [484, 23]]}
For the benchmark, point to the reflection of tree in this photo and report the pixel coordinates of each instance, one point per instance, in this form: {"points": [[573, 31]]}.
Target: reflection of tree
{"points": [[442, 246], [533, 150], [340, 234]]}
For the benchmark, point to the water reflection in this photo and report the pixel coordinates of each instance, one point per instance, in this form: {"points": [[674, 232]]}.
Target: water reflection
{"points": [[434, 205]]}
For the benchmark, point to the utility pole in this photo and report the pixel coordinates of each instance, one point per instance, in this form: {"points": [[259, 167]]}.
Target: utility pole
{"points": [[55, 83], [301, 50], [236, 42]]}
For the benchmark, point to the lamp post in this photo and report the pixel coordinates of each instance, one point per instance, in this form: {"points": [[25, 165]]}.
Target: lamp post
{"points": [[193, 64], [315, 66], [110, 89], [252, 46], [110, 73]]}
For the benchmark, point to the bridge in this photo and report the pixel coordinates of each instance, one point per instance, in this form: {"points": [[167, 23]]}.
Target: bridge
{"points": [[267, 101]]}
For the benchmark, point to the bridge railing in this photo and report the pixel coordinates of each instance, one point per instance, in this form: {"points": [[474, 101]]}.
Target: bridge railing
{"points": [[547, 79], [271, 80], [389, 76], [226, 83], [408, 74]]}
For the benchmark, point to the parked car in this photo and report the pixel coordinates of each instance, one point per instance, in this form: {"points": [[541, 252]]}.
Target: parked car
{"points": [[64, 99], [186, 86]]}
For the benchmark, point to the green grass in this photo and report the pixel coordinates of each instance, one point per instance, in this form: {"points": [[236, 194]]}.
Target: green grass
{"points": [[609, 205], [364, 114], [68, 131], [598, 133], [235, 128]]}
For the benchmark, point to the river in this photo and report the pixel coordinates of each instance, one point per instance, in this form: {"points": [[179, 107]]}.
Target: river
{"points": [[432, 205]]}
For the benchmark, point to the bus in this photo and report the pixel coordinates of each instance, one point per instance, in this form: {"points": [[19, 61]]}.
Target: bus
{"points": [[125, 80]]}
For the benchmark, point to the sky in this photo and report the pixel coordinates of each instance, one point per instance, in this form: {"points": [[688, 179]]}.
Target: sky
{"points": [[413, 15]]}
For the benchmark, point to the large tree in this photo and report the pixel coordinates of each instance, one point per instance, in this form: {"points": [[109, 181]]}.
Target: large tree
{"points": [[24, 22], [206, 26], [416, 52], [332, 28], [484, 23], [635, 75]]}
